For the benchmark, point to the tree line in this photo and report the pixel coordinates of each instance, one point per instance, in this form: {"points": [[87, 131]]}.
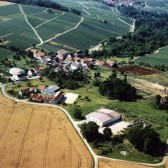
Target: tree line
{"points": [[48, 4], [117, 88]]}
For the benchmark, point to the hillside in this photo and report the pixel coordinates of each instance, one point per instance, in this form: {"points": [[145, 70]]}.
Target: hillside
{"points": [[52, 29]]}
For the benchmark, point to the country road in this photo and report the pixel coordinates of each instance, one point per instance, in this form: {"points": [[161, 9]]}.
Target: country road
{"points": [[75, 125], [21, 10]]}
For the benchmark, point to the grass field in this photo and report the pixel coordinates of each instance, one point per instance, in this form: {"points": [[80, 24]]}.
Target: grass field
{"points": [[38, 136], [159, 58], [92, 29]]}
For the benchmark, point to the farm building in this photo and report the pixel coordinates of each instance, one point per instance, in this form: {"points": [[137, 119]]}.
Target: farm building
{"points": [[17, 74], [51, 99], [103, 117], [51, 90]]}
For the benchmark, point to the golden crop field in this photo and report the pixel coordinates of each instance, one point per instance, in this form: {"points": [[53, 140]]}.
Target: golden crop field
{"points": [[39, 137], [104, 163]]}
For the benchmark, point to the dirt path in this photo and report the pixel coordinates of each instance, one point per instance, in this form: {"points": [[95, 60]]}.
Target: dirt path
{"points": [[21, 10], [132, 27], [49, 20], [60, 34]]}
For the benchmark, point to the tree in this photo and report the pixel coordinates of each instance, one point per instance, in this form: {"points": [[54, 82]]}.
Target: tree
{"points": [[77, 113], [107, 133], [90, 131]]}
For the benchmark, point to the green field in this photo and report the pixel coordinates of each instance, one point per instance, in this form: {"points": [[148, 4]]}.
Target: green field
{"points": [[159, 6], [99, 22], [160, 58], [5, 53]]}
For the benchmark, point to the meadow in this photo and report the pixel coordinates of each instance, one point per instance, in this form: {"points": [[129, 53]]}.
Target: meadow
{"points": [[158, 58]]}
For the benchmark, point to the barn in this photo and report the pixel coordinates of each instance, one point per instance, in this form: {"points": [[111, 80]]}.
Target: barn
{"points": [[103, 117]]}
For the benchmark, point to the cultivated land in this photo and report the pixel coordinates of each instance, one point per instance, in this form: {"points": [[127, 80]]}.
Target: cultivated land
{"points": [[104, 163], [37, 136], [64, 29], [159, 57]]}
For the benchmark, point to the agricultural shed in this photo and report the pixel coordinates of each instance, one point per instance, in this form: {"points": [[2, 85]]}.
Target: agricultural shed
{"points": [[70, 98], [103, 117]]}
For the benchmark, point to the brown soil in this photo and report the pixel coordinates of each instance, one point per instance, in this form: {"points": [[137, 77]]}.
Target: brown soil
{"points": [[104, 163], [37, 136], [149, 87], [4, 3], [137, 70]]}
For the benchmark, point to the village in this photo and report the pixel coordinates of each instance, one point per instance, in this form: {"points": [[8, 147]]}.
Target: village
{"points": [[63, 61]]}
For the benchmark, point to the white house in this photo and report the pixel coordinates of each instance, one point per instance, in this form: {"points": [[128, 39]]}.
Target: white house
{"points": [[17, 74], [103, 117]]}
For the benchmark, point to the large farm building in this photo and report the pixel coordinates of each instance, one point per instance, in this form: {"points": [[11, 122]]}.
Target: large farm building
{"points": [[103, 117]]}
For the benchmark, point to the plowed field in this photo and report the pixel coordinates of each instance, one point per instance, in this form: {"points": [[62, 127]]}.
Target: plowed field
{"points": [[137, 70], [39, 137]]}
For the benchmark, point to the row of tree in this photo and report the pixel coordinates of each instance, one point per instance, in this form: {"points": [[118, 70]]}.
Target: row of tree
{"points": [[48, 4]]}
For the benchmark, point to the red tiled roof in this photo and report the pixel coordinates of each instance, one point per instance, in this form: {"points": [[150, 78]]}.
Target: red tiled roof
{"points": [[41, 54], [77, 58], [41, 87], [110, 62], [61, 52], [34, 51], [100, 62]]}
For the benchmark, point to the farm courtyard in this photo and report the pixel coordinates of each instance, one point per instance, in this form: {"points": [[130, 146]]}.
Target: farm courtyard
{"points": [[37, 136]]}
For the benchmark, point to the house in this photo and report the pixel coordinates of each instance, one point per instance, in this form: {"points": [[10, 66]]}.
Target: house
{"points": [[75, 66], [61, 53], [17, 74], [41, 88], [51, 99], [51, 90], [99, 63], [25, 92], [38, 54], [103, 117], [77, 59], [112, 63], [32, 72]]}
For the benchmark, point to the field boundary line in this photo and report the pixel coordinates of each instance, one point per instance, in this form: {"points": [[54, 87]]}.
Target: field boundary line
{"points": [[21, 10], [24, 138], [46, 144], [49, 20], [86, 12], [7, 35], [60, 34]]}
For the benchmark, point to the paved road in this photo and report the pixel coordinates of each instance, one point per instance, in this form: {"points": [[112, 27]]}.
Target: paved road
{"points": [[75, 124]]}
